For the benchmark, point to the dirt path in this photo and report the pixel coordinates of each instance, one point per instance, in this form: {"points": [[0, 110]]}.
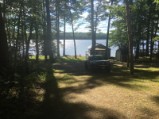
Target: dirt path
{"points": [[107, 96]]}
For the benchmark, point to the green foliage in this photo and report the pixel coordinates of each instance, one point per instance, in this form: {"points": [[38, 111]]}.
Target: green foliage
{"points": [[118, 36], [156, 38], [156, 1]]}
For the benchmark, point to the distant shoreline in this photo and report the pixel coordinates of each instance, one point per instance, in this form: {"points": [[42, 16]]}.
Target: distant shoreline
{"points": [[82, 39], [81, 35]]}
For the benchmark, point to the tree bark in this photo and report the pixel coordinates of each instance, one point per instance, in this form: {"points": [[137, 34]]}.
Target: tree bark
{"points": [[57, 28], [131, 59], [64, 39], [49, 43], [4, 61], [108, 28], [27, 48], [148, 36], [37, 44], [92, 28], [17, 45], [73, 34]]}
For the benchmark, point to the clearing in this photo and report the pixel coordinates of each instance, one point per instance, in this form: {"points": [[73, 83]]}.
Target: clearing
{"points": [[115, 95]]}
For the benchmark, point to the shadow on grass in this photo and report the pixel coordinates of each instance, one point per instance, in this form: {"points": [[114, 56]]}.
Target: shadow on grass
{"points": [[54, 107], [119, 76], [156, 99], [44, 100], [74, 68], [146, 75], [51, 98], [147, 113]]}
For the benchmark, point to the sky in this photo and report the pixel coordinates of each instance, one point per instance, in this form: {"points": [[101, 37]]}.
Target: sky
{"points": [[84, 25]]}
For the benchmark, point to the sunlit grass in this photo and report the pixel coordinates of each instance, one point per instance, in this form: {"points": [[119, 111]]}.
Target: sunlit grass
{"points": [[61, 59], [41, 57], [134, 96], [150, 68], [71, 59]]}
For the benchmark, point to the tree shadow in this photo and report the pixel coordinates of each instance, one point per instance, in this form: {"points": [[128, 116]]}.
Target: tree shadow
{"points": [[86, 111], [54, 107], [74, 68], [146, 74], [118, 76], [146, 64], [155, 99], [147, 113]]}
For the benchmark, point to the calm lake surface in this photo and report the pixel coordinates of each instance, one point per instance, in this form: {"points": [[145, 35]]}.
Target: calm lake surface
{"points": [[82, 47]]}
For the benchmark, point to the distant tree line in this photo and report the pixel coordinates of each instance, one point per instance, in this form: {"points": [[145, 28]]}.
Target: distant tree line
{"points": [[79, 35]]}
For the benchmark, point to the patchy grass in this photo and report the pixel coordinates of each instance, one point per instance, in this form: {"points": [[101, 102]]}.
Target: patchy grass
{"points": [[117, 95], [70, 59], [70, 92]]}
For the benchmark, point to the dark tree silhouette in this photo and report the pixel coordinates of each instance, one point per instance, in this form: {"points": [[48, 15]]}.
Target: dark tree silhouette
{"points": [[3, 44]]}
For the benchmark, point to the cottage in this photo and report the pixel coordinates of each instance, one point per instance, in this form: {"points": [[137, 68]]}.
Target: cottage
{"points": [[100, 49]]}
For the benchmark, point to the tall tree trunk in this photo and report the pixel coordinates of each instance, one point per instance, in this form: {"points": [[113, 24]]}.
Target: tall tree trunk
{"points": [[57, 28], [45, 52], [148, 33], [143, 49], [73, 34], [4, 8], [137, 50], [131, 59], [18, 37], [74, 40], [23, 41], [138, 41], [64, 39], [154, 30], [152, 42], [36, 43], [27, 48], [92, 28], [24, 34], [49, 42], [64, 43], [28, 41], [108, 28], [95, 24], [4, 61]]}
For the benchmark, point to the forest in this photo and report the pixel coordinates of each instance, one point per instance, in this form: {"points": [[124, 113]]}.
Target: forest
{"points": [[30, 86]]}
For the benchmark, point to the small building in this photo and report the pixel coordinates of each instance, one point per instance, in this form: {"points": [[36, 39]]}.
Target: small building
{"points": [[100, 49], [122, 54]]}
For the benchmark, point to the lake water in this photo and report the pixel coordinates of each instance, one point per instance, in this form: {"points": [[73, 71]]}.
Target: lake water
{"points": [[82, 47]]}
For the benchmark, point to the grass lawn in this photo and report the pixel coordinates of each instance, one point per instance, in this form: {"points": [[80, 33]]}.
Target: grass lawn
{"points": [[116, 95], [65, 90], [41, 57]]}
